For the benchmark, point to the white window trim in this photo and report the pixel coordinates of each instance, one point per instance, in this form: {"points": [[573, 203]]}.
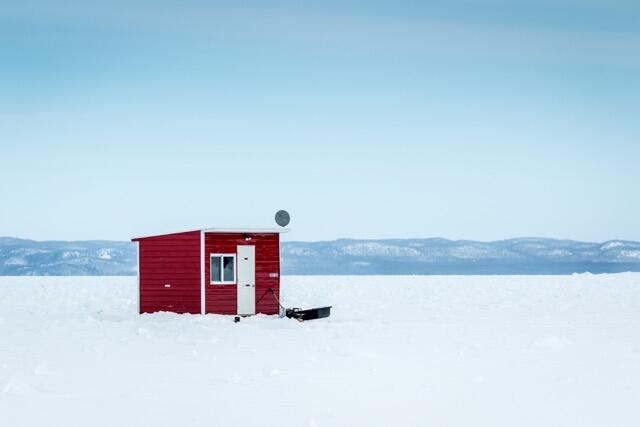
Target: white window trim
{"points": [[235, 270]]}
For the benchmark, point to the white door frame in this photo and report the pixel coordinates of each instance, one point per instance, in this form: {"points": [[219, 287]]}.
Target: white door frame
{"points": [[246, 279]]}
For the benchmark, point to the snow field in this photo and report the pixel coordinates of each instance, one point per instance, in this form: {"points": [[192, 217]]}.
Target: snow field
{"points": [[422, 350]]}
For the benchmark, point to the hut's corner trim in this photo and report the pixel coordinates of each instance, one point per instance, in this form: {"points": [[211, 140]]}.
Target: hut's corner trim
{"points": [[202, 286]]}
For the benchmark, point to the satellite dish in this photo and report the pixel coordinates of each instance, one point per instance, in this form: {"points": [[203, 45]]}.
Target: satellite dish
{"points": [[282, 218]]}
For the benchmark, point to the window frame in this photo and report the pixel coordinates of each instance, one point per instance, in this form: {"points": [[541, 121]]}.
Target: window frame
{"points": [[235, 269]]}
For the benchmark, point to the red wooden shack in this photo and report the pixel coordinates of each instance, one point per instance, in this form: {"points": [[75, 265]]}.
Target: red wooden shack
{"points": [[223, 271]]}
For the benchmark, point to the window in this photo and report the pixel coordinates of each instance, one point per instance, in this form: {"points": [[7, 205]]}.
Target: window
{"points": [[223, 269]]}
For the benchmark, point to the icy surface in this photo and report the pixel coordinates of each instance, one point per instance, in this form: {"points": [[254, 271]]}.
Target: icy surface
{"points": [[454, 351]]}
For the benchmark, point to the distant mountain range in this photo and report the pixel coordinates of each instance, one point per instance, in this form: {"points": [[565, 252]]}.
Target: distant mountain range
{"points": [[442, 256], [347, 256], [19, 257]]}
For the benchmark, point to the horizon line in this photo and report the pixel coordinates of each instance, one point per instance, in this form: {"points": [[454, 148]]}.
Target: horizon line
{"points": [[355, 239]]}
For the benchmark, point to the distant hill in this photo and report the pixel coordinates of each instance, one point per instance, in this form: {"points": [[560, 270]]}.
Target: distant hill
{"points": [[19, 257], [442, 256], [346, 256]]}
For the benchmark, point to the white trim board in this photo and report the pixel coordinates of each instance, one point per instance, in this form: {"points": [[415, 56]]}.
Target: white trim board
{"points": [[138, 272], [247, 230], [202, 278], [219, 230]]}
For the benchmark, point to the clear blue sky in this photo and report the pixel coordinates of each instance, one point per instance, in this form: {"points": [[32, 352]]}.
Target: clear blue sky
{"points": [[462, 119]]}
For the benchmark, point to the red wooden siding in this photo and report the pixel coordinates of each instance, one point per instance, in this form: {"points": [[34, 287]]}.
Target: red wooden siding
{"points": [[170, 259], [222, 299]]}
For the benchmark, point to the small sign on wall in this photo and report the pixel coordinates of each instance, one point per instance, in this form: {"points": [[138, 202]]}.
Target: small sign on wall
{"points": [[273, 275]]}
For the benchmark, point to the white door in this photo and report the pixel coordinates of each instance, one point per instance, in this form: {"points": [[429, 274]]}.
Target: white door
{"points": [[246, 279]]}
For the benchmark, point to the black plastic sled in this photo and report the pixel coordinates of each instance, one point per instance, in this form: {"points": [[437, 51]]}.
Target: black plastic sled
{"points": [[309, 314]]}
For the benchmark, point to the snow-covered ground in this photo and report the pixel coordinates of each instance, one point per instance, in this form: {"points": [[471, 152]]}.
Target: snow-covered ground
{"points": [[441, 351]]}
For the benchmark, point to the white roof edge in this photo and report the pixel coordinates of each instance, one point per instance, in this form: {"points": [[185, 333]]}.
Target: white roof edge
{"points": [[220, 230], [246, 230]]}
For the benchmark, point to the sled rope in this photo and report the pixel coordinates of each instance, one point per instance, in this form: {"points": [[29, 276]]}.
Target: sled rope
{"points": [[276, 298]]}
